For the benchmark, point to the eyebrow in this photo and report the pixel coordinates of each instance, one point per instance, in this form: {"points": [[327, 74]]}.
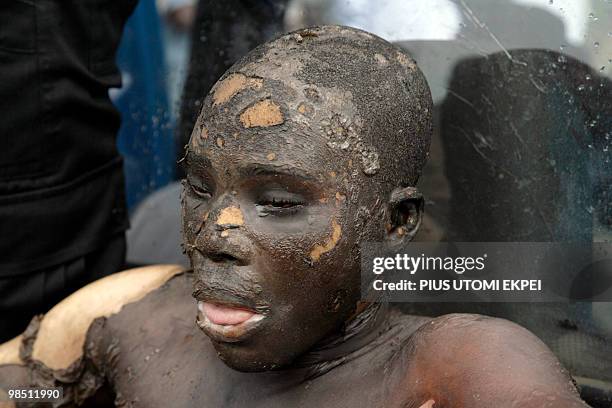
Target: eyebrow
{"points": [[256, 169], [264, 169]]}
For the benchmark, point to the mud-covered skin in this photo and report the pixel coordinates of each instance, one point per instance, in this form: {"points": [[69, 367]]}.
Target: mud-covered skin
{"points": [[302, 142], [152, 354]]}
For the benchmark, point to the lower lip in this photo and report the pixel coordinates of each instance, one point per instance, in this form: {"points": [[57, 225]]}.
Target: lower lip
{"points": [[227, 324]]}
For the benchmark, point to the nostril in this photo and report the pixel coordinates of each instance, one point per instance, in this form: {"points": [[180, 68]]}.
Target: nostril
{"points": [[222, 257]]}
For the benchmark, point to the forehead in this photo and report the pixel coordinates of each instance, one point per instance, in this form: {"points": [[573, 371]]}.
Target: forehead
{"points": [[248, 119], [302, 126]]}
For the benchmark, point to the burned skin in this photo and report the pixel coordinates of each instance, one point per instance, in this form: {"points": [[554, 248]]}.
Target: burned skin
{"points": [[284, 181]]}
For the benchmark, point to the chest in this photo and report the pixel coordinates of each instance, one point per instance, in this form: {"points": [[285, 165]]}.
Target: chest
{"points": [[196, 378]]}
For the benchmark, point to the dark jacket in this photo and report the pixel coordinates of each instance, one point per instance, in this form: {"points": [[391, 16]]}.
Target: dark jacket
{"points": [[61, 179]]}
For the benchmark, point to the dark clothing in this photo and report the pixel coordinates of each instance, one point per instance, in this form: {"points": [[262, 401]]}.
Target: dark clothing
{"points": [[62, 198], [27, 295], [61, 181]]}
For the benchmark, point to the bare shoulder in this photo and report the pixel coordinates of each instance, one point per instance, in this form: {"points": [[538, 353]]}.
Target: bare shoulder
{"points": [[473, 360], [60, 335]]}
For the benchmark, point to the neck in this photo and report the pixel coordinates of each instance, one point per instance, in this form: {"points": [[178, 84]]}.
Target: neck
{"points": [[356, 338]]}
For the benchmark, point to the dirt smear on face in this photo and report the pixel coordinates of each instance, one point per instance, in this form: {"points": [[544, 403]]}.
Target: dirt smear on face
{"points": [[230, 216], [318, 250], [232, 85], [264, 113]]}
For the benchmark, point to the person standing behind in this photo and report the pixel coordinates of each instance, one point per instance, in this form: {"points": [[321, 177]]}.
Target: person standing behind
{"points": [[62, 199]]}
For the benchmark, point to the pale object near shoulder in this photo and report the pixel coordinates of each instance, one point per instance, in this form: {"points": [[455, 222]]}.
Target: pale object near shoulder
{"points": [[62, 331], [9, 352]]}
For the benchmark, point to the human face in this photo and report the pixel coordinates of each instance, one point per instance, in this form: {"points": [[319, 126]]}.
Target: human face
{"points": [[270, 221]]}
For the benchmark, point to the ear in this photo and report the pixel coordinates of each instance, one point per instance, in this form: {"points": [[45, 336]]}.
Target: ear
{"points": [[405, 213]]}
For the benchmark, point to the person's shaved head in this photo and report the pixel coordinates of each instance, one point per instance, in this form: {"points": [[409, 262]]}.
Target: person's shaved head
{"points": [[351, 89], [304, 149]]}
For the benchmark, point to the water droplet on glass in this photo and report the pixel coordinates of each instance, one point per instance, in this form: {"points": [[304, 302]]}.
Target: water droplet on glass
{"points": [[602, 69], [562, 58], [596, 44], [587, 77], [550, 1], [581, 87], [562, 46], [590, 209]]}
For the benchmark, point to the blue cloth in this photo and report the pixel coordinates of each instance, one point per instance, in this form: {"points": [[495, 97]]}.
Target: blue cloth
{"points": [[145, 138]]}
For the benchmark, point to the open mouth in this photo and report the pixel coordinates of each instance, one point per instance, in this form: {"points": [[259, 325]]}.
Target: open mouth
{"points": [[227, 323]]}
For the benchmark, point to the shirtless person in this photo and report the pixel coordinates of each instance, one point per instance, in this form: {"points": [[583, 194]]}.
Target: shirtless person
{"points": [[305, 148]]}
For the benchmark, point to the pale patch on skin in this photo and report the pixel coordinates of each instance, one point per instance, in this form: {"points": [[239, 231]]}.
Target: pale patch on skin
{"points": [[230, 216], [305, 110], [62, 332], [232, 85], [405, 61], [318, 250], [204, 134], [9, 352], [264, 113], [220, 142], [225, 233], [381, 59], [195, 143], [429, 404], [271, 156]]}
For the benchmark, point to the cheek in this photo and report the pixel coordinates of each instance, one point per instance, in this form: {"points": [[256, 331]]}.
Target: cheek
{"points": [[315, 262]]}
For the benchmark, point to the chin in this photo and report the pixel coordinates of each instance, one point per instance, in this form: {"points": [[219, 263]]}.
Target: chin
{"points": [[241, 357]]}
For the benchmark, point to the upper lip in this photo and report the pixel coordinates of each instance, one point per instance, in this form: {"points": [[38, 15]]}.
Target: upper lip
{"points": [[226, 297]]}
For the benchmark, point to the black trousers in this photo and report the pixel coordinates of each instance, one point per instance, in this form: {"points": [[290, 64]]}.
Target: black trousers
{"points": [[24, 296]]}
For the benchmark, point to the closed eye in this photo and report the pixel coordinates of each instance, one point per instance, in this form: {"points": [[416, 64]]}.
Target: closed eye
{"points": [[279, 203]]}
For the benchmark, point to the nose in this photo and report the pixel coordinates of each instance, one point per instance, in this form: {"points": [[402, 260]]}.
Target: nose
{"points": [[229, 217], [223, 238]]}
